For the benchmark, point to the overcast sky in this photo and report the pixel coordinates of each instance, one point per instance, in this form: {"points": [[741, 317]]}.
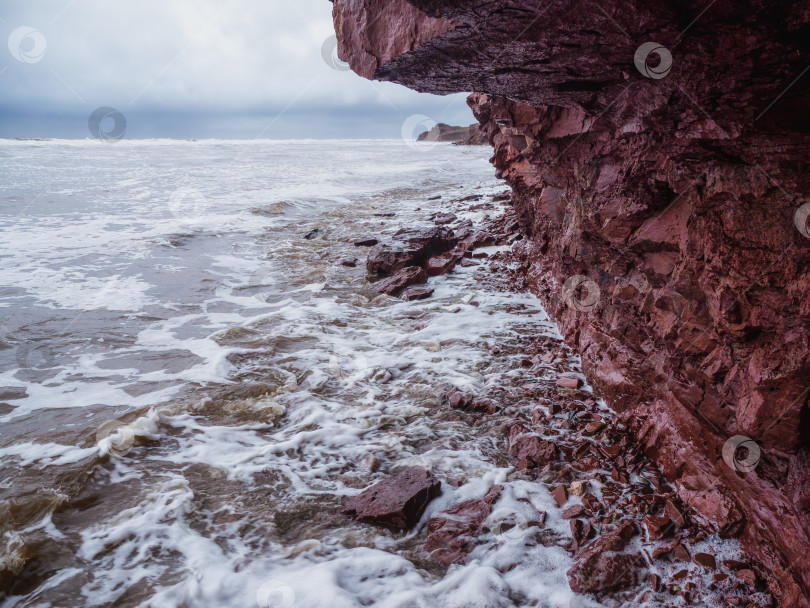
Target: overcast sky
{"points": [[192, 69]]}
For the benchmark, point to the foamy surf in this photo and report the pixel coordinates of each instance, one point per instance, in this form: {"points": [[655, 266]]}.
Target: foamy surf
{"points": [[203, 383]]}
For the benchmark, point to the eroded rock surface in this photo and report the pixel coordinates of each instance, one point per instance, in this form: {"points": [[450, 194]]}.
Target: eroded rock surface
{"points": [[661, 188], [396, 502]]}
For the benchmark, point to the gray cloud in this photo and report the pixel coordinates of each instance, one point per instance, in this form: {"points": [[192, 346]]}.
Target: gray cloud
{"points": [[192, 68]]}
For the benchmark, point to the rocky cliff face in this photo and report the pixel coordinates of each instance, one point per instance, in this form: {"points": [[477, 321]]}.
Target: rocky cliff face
{"points": [[658, 154]]}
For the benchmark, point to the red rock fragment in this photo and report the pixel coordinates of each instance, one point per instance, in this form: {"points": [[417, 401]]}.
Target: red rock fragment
{"points": [[528, 450], [706, 560], [602, 565], [396, 502], [452, 534], [681, 554], [416, 293], [457, 399], [657, 527], [560, 495], [406, 277], [674, 514], [439, 265], [569, 382], [572, 512]]}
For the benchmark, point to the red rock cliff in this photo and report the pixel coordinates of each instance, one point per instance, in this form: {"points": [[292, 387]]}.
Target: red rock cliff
{"points": [[658, 152]]}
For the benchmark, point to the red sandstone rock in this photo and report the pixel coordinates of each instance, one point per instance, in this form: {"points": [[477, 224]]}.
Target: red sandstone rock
{"points": [[410, 247], [528, 450], [439, 265], [603, 566], [560, 495], [706, 560], [452, 534], [681, 554], [397, 502], [416, 293], [412, 275], [674, 513], [457, 399], [569, 382], [658, 527], [677, 193]]}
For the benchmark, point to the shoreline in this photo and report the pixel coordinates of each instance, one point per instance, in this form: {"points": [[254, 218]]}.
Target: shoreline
{"points": [[631, 538]]}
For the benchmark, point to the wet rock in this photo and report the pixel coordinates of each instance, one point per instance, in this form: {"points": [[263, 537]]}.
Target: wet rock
{"points": [[416, 293], [349, 262], [560, 496], [573, 512], [366, 242], [397, 502], [706, 560], [466, 262], [452, 534], [412, 275], [411, 247], [569, 382], [457, 399], [440, 264], [681, 554], [674, 513], [442, 219], [594, 427], [603, 565], [658, 527], [528, 450], [312, 234]]}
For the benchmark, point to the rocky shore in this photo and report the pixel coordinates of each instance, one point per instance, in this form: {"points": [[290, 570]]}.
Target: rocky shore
{"points": [[657, 157], [631, 537]]}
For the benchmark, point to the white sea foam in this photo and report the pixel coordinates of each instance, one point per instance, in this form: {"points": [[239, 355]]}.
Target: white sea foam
{"points": [[149, 306]]}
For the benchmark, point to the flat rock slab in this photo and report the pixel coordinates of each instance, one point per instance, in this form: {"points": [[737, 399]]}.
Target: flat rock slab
{"points": [[412, 275], [397, 502]]}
